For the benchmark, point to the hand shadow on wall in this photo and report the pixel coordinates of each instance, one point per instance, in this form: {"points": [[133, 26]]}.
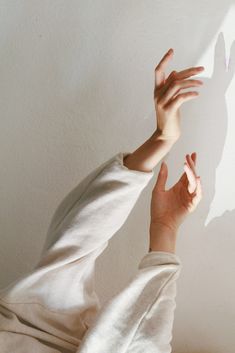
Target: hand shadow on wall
{"points": [[207, 124]]}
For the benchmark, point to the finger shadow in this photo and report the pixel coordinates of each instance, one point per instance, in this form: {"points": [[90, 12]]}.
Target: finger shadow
{"points": [[208, 250]]}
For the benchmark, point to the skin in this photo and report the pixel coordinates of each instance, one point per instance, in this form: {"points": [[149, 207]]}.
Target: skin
{"points": [[169, 208]]}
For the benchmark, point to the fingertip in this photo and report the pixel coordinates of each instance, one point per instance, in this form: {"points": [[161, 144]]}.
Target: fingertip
{"points": [[163, 166], [194, 157], [190, 156]]}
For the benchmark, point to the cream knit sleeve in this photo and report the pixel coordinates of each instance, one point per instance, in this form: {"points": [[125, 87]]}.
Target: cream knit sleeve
{"points": [[140, 317]]}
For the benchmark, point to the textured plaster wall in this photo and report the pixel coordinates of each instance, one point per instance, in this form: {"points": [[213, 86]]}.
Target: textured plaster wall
{"points": [[76, 87]]}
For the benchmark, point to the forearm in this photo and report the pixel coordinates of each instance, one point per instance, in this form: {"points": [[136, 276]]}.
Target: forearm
{"points": [[162, 238], [149, 154]]}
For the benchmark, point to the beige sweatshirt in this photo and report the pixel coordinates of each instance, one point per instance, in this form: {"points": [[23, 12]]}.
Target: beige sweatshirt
{"points": [[55, 307]]}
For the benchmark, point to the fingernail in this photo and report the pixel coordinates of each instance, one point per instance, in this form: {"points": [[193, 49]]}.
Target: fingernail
{"points": [[201, 68]]}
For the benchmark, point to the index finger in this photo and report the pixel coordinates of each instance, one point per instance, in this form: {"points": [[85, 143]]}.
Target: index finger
{"points": [[160, 68], [189, 72]]}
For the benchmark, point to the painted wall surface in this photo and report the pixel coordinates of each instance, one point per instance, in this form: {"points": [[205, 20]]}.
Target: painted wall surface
{"points": [[76, 87]]}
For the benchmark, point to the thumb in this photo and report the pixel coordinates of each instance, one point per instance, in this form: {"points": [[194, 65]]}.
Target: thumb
{"points": [[162, 177]]}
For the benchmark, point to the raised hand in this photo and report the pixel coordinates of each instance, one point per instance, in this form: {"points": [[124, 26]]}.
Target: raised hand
{"points": [[170, 207], [168, 97]]}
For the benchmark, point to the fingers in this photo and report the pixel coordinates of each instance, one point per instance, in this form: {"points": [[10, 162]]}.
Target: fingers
{"points": [[194, 157], [180, 99], [168, 91], [198, 194], [191, 164], [164, 61], [160, 68], [192, 180], [175, 87], [192, 71], [181, 75], [162, 177], [184, 178]]}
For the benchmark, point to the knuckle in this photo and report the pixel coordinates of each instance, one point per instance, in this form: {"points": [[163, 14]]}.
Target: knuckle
{"points": [[160, 104], [172, 85], [176, 83], [167, 108], [179, 99]]}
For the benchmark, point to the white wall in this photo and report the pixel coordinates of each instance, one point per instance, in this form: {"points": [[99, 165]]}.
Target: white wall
{"points": [[76, 87]]}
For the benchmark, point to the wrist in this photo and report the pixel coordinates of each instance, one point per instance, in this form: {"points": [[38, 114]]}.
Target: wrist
{"points": [[162, 238], [159, 136], [149, 154]]}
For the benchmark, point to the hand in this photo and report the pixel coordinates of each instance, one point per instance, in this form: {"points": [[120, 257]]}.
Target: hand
{"points": [[170, 207], [168, 97]]}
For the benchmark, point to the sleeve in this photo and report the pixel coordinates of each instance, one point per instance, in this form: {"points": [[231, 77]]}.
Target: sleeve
{"points": [[139, 318], [57, 300], [89, 216]]}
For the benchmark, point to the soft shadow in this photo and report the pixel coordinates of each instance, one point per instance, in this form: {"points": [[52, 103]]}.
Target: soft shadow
{"points": [[208, 251]]}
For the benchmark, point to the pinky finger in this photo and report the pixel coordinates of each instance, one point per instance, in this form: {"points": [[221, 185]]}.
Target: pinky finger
{"points": [[198, 195], [180, 99], [192, 183]]}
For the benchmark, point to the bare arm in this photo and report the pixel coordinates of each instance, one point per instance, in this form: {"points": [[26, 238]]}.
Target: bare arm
{"points": [[168, 98], [169, 208]]}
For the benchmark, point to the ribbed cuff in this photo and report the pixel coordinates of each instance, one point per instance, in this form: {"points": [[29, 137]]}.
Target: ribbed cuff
{"points": [[120, 159], [155, 258]]}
